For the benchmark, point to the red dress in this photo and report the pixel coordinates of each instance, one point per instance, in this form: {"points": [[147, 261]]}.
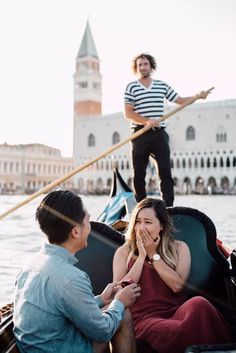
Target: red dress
{"points": [[169, 322]]}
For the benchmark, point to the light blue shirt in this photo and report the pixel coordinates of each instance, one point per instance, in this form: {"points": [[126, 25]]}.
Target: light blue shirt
{"points": [[55, 309]]}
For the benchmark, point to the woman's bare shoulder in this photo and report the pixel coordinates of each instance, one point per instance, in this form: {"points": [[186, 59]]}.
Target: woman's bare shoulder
{"points": [[181, 245], [123, 250], [182, 249]]}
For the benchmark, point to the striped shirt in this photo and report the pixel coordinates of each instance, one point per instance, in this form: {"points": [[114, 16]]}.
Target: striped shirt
{"points": [[149, 102]]}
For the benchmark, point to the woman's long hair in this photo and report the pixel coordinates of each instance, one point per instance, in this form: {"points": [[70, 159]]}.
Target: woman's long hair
{"points": [[167, 247]]}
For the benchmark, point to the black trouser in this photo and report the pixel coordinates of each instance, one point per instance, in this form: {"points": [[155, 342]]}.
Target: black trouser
{"points": [[153, 143]]}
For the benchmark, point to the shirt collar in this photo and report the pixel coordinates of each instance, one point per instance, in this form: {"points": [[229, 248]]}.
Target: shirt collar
{"points": [[58, 250]]}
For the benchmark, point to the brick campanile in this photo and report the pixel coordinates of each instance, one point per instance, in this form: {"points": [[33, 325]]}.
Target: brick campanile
{"points": [[87, 79]]}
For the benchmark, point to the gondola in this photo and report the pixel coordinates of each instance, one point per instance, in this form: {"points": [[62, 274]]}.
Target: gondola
{"points": [[120, 205], [213, 277]]}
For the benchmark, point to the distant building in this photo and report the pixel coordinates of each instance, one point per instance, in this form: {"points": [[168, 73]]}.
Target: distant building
{"points": [[28, 168], [202, 137]]}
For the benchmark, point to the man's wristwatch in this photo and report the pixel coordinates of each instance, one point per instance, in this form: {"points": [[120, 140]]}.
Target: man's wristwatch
{"points": [[155, 257]]}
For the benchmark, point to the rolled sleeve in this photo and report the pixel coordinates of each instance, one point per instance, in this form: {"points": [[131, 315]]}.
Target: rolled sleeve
{"points": [[128, 99], [128, 96], [82, 308], [99, 301], [171, 95]]}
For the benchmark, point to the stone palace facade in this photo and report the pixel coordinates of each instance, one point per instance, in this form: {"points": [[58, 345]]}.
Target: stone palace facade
{"points": [[28, 168]]}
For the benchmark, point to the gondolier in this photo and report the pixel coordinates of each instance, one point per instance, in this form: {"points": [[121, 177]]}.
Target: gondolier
{"points": [[144, 105]]}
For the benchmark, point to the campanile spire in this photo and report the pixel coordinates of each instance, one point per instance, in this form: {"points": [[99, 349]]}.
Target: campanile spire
{"points": [[87, 78]]}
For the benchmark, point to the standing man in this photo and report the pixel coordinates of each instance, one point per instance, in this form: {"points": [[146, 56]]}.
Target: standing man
{"points": [[55, 310], [144, 105]]}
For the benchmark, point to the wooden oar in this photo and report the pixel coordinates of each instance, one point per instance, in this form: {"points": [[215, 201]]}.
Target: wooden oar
{"points": [[60, 180]]}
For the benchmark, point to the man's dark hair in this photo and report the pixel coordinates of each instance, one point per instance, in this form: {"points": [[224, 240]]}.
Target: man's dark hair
{"points": [[149, 57], [58, 213]]}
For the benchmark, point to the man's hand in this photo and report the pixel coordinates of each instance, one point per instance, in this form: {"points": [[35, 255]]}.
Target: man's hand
{"points": [[204, 94], [152, 122], [109, 292], [128, 294]]}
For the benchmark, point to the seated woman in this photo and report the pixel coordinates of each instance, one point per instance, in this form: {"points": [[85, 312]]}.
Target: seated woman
{"points": [[162, 315]]}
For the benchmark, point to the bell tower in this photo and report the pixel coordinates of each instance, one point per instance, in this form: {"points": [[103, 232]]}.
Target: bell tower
{"points": [[87, 79]]}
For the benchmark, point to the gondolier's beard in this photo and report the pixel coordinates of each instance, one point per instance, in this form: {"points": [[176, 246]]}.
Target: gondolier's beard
{"points": [[145, 74]]}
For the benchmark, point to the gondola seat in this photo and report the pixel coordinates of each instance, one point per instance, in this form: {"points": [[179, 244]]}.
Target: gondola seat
{"points": [[209, 267]]}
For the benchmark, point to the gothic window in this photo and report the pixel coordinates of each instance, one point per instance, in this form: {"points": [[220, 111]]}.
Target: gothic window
{"points": [[109, 182], [202, 163], [234, 162], [83, 84], [91, 140], [227, 162], [208, 163], [195, 163], [190, 133], [190, 163], [127, 165], [96, 85], [5, 167], [214, 163], [177, 164], [175, 180], [184, 164], [221, 162], [171, 163], [115, 138], [221, 135]]}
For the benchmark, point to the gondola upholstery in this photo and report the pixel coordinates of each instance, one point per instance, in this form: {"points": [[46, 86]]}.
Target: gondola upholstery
{"points": [[209, 267]]}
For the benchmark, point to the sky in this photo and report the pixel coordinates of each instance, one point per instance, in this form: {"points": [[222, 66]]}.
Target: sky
{"points": [[193, 42]]}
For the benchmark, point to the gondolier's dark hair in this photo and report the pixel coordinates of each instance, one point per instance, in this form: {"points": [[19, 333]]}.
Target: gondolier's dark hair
{"points": [[58, 213], [147, 56]]}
